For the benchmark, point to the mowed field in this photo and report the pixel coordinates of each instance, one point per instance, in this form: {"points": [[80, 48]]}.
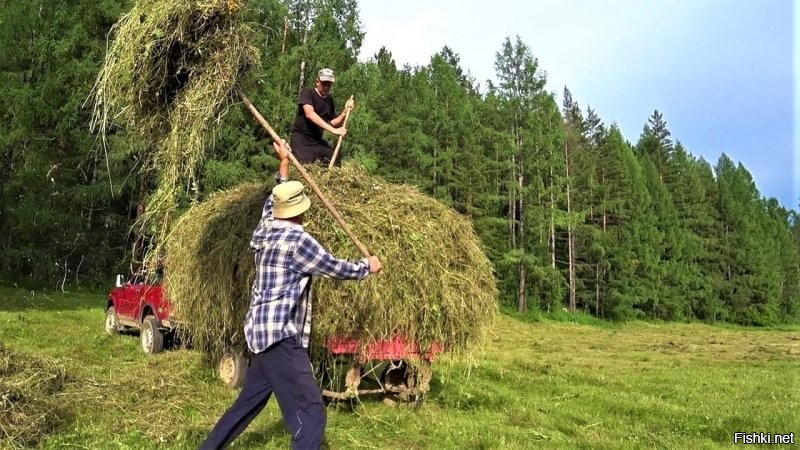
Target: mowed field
{"points": [[537, 384]]}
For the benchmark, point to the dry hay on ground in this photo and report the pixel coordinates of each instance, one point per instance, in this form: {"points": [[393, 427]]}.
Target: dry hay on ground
{"points": [[168, 75], [28, 411], [437, 285]]}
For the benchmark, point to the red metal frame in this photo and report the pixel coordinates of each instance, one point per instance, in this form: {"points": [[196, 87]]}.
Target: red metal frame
{"points": [[391, 349]]}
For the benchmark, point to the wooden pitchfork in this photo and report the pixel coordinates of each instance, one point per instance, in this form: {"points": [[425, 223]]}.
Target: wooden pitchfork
{"points": [[305, 175], [339, 143]]}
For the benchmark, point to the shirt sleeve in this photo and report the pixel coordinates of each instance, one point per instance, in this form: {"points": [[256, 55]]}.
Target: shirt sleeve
{"points": [[266, 213], [305, 97], [312, 259]]}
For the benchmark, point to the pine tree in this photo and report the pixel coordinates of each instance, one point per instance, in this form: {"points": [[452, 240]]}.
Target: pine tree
{"points": [[783, 262], [627, 240], [655, 142], [64, 207], [529, 181], [749, 291], [676, 270], [575, 159]]}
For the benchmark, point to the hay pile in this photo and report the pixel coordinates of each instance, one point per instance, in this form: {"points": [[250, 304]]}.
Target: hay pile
{"points": [[168, 76], [28, 411], [437, 284]]}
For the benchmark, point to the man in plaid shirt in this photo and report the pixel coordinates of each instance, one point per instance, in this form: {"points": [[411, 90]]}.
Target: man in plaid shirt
{"points": [[278, 324]]}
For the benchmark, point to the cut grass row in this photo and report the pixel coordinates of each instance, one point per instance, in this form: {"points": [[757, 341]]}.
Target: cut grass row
{"points": [[535, 385]]}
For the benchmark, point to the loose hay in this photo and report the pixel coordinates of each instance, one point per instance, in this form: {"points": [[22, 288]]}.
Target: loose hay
{"points": [[28, 412], [437, 284], [168, 76]]}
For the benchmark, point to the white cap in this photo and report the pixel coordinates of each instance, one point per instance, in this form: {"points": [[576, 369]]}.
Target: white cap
{"points": [[326, 75]]}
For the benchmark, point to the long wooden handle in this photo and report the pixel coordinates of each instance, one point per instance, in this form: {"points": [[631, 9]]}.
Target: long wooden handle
{"points": [[339, 144], [305, 175]]}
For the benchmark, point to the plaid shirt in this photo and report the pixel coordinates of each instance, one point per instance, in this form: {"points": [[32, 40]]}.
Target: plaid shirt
{"points": [[286, 257]]}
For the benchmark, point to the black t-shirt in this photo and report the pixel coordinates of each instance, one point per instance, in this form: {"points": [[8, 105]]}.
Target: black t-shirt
{"points": [[305, 128]]}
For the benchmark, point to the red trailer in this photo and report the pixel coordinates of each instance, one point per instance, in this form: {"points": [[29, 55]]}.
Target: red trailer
{"points": [[396, 368]]}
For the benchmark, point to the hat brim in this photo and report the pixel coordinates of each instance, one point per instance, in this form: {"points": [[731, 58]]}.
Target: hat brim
{"points": [[324, 78], [287, 212]]}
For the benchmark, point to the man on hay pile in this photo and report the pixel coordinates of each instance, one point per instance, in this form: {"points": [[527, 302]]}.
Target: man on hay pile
{"points": [[278, 324], [316, 112]]}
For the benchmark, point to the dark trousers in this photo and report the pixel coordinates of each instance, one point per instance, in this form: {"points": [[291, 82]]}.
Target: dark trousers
{"points": [[310, 153], [284, 369]]}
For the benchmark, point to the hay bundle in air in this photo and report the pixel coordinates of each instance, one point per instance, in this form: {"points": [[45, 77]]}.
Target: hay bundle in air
{"points": [[28, 407], [437, 284], [168, 76]]}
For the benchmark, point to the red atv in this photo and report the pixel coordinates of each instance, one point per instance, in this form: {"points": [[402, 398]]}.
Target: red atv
{"points": [[134, 304]]}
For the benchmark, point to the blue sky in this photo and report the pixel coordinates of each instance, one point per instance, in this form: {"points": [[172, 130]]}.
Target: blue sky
{"points": [[723, 73]]}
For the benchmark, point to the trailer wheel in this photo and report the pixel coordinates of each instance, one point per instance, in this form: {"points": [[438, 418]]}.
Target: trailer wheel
{"points": [[232, 368], [393, 377], [419, 382], [406, 383]]}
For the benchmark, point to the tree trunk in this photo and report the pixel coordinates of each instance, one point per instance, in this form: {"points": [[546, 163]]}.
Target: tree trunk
{"points": [[522, 300], [597, 292], [285, 33], [91, 202], [604, 208], [435, 157], [302, 81], [728, 269], [570, 254], [306, 26], [552, 223], [512, 207]]}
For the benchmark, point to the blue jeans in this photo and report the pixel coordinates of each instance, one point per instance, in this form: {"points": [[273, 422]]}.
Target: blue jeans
{"points": [[284, 369]]}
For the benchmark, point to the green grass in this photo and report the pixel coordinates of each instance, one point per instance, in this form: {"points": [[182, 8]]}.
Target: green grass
{"points": [[537, 384]]}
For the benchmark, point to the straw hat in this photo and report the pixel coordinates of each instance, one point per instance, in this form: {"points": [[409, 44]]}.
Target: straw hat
{"points": [[290, 200]]}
